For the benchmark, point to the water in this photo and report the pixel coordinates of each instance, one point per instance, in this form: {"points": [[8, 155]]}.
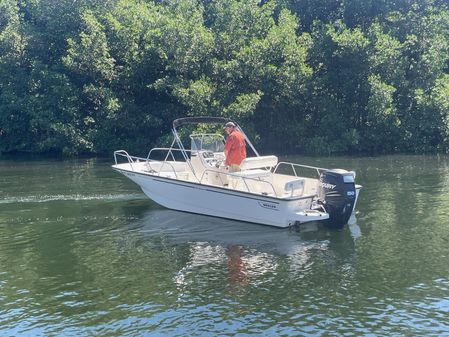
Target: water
{"points": [[84, 253]]}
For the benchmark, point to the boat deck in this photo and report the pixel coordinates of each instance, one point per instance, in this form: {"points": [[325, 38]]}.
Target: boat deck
{"points": [[256, 181]]}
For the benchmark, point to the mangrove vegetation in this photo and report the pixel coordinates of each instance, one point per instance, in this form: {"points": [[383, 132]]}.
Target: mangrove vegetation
{"points": [[301, 76]]}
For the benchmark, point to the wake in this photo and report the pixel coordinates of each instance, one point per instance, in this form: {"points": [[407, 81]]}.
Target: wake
{"points": [[70, 197]]}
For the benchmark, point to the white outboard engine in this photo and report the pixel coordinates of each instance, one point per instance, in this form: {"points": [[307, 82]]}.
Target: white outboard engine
{"points": [[338, 195]]}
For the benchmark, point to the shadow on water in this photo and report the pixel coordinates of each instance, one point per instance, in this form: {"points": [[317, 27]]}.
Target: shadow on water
{"points": [[248, 254], [180, 228]]}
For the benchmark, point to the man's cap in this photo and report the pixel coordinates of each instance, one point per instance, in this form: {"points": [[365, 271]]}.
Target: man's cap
{"points": [[230, 125]]}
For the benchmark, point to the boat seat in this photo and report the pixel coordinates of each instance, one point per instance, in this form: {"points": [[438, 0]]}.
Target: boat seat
{"points": [[295, 187], [258, 162], [254, 173]]}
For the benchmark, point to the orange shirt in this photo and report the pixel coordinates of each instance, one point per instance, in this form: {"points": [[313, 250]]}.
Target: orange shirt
{"points": [[235, 148]]}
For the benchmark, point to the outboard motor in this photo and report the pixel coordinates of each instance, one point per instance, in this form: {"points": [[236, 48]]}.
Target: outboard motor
{"points": [[338, 192]]}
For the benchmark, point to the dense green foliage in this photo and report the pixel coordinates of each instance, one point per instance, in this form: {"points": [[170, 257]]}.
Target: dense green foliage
{"points": [[310, 76]]}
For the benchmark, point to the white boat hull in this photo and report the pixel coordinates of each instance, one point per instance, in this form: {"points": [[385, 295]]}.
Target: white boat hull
{"points": [[225, 203]]}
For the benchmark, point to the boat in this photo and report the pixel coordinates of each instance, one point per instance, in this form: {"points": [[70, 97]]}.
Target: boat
{"points": [[191, 176]]}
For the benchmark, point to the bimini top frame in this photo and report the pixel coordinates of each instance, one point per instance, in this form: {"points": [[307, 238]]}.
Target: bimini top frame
{"points": [[204, 120]]}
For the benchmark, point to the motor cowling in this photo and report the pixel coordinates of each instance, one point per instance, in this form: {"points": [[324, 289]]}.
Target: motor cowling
{"points": [[338, 195]]}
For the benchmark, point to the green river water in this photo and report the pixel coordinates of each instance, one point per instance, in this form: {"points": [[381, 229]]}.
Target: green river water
{"points": [[84, 253]]}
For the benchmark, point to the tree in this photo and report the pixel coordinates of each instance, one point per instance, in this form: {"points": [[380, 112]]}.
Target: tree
{"points": [[325, 76], [14, 119]]}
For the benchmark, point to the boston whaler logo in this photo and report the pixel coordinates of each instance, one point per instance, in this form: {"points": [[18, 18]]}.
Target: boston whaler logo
{"points": [[268, 205]]}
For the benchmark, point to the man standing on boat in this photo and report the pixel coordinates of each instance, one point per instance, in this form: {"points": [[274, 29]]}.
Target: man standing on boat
{"points": [[235, 147]]}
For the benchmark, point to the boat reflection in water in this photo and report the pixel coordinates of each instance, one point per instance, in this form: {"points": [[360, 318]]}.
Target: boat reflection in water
{"points": [[248, 254]]}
